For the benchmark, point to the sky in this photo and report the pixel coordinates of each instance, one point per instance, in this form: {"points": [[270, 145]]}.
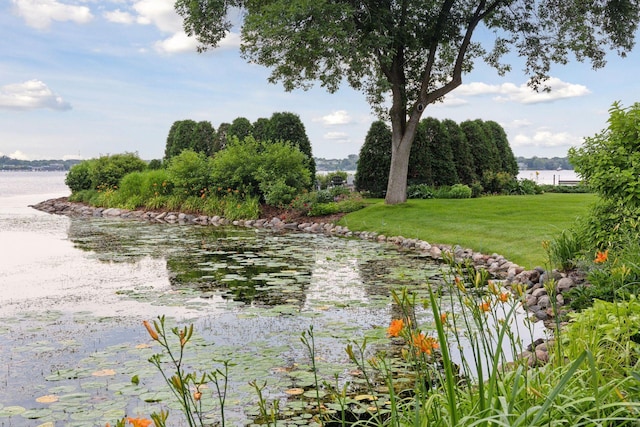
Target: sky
{"points": [[84, 78]]}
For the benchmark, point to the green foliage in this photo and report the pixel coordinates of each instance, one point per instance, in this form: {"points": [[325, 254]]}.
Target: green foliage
{"points": [[420, 191], [614, 275], [580, 188], [107, 171], [240, 128], [324, 180], [342, 204], [505, 160], [463, 157], [499, 182], [154, 164], [460, 191], [190, 173], [190, 135], [275, 172], [564, 250], [610, 331], [610, 164], [375, 160], [525, 186], [78, 178]]}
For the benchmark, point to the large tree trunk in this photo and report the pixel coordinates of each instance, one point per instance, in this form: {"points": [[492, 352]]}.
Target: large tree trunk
{"points": [[400, 150]]}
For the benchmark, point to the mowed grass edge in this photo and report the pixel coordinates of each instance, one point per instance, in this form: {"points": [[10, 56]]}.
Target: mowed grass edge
{"points": [[512, 226]]}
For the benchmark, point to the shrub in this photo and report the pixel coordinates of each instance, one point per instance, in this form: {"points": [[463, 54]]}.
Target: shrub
{"points": [[275, 172], [78, 178], [190, 173], [419, 191], [610, 164], [460, 191], [107, 171], [324, 196]]}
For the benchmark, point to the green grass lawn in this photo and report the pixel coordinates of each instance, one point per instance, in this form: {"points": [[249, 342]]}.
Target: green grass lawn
{"points": [[513, 226]]}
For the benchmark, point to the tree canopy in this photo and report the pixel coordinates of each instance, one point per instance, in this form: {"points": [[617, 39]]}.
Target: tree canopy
{"points": [[416, 51]]}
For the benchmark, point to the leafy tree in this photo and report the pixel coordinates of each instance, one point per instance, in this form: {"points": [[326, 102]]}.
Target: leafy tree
{"points": [[261, 129], [240, 127], [284, 126], [415, 51], [375, 157], [506, 161], [181, 137], [462, 156], [610, 164]]}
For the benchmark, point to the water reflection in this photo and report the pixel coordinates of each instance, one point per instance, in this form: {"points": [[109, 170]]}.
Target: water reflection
{"points": [[256, 267]]}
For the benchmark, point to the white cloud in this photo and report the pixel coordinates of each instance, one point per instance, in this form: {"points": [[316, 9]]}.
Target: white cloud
{"points": [[519, 123], [179, 42], [451, 101], [523, 94], [40, 13], [159, 13], [340, 137], [119, 17], [339, 117], [546, 139], [30, 95], [18, 155]]}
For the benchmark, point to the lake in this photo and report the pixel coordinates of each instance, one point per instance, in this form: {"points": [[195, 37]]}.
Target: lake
{"points": [[74, 293]]}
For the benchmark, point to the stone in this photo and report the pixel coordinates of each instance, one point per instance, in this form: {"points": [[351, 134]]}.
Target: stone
{"points": [[538, 292], [565, 284], [544, 301], [435, 252]]}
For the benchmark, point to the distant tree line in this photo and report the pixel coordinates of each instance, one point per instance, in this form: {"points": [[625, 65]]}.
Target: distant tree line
{"points": [[348, 164], [7, 163], [202, 137], [544, 163], [474, 153]]}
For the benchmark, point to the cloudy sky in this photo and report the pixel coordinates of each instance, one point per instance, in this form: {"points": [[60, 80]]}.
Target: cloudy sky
{"points": [[81, 78]]}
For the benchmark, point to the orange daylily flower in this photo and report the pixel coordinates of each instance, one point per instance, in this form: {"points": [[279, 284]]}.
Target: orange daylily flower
{"points": [[424, 343], [443, 318], [601, 257], [504, 297], [395, 327], [484, 306], [139, 422], [150, 329]]}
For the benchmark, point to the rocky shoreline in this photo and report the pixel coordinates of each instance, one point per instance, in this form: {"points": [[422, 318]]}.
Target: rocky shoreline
{"points": [[536, 300]]}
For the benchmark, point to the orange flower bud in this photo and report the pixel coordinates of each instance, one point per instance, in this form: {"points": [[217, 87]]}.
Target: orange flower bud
{"points": [[150, 329]]}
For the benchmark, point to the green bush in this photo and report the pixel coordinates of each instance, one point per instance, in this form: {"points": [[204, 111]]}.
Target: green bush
{"points": [[324, 196], [107, 171], [460, 191], [190, 173], [274, 172], [78, 178], [419, 191]]}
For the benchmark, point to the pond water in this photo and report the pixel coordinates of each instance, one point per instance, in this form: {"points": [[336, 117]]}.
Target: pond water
{"points": [[73, 294]]}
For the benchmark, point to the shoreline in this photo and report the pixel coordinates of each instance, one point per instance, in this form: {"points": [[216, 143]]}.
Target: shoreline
{"points": [[535, 298]]}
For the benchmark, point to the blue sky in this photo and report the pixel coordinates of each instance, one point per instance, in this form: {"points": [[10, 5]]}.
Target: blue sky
{"points": [[81, 78]]}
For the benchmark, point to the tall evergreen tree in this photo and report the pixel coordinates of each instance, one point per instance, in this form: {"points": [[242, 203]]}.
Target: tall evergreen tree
{"points": [[419, 171], [443, 168], [372, 172], [181, 137], [481, 146], [204, 137], [285, 126], [462, 156], [506, 159]]}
